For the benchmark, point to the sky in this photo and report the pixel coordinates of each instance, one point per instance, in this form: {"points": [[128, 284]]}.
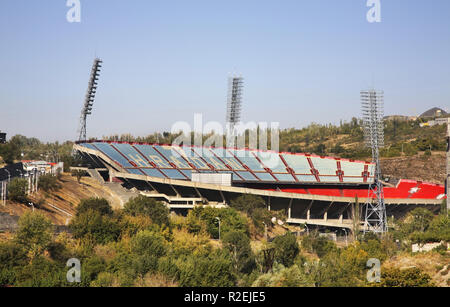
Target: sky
{"points": [[164, 61]]}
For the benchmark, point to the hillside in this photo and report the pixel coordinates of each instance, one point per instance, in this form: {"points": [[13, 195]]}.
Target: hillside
{"points": [[59, 205], [419, 167]]}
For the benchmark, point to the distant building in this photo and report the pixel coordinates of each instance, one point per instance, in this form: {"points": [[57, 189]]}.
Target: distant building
{"points": [[2, 137], [43, 167], [436, 122]]}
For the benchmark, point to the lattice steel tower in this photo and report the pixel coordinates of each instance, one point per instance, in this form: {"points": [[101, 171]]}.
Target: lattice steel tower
{"points": [[89, 99], [234, 104], [373, 111]]}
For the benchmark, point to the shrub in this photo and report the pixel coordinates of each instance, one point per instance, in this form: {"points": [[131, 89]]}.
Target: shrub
{"points": [[230, 220], [99, 205], [284, 277], [17, 190], [238, 244], [247, 203], [42, 272], [12, 257], [286, 249], [207, 270], [92, 225], [49, 182], [144, 206], [34, 233], [411, 277]]}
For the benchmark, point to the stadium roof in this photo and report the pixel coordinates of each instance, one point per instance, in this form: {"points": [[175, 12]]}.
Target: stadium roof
{"points": [[252, 166]]}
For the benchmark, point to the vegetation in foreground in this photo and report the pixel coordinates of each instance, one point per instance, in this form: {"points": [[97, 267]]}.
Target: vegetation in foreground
{"points": [[143, 245]]}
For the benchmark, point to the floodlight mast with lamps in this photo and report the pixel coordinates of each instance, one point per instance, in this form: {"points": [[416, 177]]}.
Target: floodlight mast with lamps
{"points": [[234, 104], [372, 102], [89, 99]]}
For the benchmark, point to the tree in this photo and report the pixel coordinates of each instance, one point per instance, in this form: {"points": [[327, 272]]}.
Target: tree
{"points": [[411, 277], [49, 182], [34, 233], [92, 225], [214, 269], [17, 190], [145, 206], [284, 277], [12, 257], [78, 174], [286, 249], [247, 203], [238, 244], [99, 205]]}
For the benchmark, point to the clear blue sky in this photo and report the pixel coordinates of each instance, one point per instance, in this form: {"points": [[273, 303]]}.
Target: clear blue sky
{"points": [[303, 61]]}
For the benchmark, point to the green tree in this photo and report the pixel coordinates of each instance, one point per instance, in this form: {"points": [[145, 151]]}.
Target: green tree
{"points": [[12, 257], [284, 277], [247, 203], [17, 190], [34, 233], [214, 269], [91, 225], [99, 205], [411, 277], [238, 244], [286, 249], [145, 206], [49, 182], [42, 272], [78, 174]]}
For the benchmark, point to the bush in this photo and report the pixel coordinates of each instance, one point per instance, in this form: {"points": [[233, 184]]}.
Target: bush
{"points": [[78, 174], [284, 277], [12, 258], [92, 225], [238, 244], [412, 277], [49, 182], [230, 220], [286, 249], [208, 270], [144, 206], [99, 205], [35, 233], [247, 203], [319, 245], [17, 190], [42, 273]]}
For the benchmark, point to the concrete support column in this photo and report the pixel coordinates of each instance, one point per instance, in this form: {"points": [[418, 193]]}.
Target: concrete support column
{"points": [[290, 209]]}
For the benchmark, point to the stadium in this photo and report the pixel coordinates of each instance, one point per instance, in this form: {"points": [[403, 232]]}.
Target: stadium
{"points": [[312, 190]]}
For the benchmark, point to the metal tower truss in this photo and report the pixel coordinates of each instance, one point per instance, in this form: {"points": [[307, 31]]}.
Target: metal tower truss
{"points": [[89, 99], [373, 111], [235, 85]]}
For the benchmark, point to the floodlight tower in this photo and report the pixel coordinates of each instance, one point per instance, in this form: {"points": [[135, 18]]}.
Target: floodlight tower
{"points": [[89, 99], [235, 85], [373, 110]]}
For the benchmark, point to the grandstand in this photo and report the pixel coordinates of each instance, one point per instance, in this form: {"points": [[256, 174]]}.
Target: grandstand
{"points": [[311, 189]]}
